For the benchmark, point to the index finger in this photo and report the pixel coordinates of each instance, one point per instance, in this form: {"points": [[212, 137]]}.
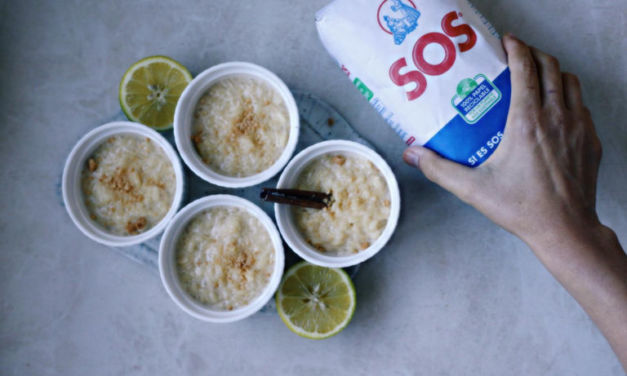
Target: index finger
{"points": [[524, 74]]}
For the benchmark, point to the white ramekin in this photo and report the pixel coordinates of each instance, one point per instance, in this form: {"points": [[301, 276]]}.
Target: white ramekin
{"points": [[183, 116], [288, 180], [71, 182], [167, 260]]}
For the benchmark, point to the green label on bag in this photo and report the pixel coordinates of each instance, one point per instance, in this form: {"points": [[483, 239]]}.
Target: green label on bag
{"points": [[365, 91], [475, 97]]}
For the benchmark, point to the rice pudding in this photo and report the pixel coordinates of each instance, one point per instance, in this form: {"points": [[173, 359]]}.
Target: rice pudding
{"points": [[240, 126], [359, 207], [224, 258], [128, 184]]}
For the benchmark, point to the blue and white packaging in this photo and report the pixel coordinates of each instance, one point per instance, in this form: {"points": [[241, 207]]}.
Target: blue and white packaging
{"points": [[435, 70]]}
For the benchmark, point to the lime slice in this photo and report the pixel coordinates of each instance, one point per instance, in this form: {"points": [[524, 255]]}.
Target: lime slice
{"points": [[316, 302], [150, 89]]}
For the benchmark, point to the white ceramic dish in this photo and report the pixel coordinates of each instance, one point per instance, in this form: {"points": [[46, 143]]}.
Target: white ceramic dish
{"points": [[284, 216], [71, 182], [184, 114], [167, 260]]}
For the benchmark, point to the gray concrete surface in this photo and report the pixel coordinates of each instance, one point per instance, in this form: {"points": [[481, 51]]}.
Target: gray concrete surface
{"points": [[452, 294]]}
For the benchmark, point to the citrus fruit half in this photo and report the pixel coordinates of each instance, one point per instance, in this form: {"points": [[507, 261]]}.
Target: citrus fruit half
{"points": [[150, 89], [315, 302]]}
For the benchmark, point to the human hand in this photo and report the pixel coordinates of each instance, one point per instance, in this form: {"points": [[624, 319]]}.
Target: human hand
{"points": [[541, 181], [540, 184]]}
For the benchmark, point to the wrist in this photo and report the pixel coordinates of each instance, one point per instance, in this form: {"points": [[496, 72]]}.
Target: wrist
{"points": [[573, 230], [572, 250]]}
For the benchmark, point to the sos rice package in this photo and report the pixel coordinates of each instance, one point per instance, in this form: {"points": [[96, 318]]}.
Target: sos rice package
{"points": [[435, 70]]}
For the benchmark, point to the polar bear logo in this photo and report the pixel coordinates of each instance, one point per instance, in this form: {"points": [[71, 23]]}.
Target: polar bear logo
{"points": [[403, 21]]}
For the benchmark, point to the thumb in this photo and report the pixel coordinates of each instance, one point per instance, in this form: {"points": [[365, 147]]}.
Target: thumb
{"points": [[454, 177]]}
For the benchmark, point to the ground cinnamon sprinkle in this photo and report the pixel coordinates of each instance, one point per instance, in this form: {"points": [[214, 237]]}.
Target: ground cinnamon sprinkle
{"points": [[157, 184], [242, 263], [92, 165], [339, 160], [133, 227], [121, 183], [197, 138], [317, 246], [247, 122]]}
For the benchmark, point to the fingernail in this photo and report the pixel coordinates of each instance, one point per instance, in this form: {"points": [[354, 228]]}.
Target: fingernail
{"points": [[412, 155]]}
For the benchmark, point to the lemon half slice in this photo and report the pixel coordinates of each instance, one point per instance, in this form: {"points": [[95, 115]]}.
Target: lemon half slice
{"points": [[316, 302], [150, 89]]}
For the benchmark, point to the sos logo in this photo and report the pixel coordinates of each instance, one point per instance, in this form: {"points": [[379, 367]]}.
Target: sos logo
{"points": [[426, 68]]}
